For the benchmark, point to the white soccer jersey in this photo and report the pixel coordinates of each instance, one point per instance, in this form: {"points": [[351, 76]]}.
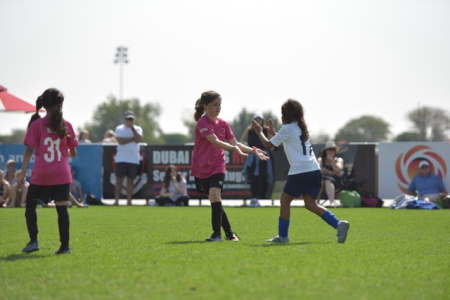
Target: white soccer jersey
{"points": [[299, 154]]}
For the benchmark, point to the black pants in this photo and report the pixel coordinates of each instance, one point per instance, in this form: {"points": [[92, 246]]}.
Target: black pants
{"points": [[259, 186], [166, 201]]}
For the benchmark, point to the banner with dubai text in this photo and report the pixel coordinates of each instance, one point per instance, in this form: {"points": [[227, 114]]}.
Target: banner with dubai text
{"points": [[398, 164]]}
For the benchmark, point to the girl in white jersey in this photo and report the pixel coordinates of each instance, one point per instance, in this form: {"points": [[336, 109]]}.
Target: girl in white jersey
{"points": [[304, 177]]}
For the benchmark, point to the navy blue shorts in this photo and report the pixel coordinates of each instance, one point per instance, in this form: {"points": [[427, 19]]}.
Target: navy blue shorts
{"points": [[304, 183]]}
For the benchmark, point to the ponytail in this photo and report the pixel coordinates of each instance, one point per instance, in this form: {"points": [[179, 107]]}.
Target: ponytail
{"points": [[305, 133], [35, 116], [206, 98], [52, 100], [57, 124], [199, 110]]}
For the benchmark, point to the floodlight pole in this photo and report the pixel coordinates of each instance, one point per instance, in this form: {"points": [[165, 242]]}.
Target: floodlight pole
{"points": [[121, 59]]}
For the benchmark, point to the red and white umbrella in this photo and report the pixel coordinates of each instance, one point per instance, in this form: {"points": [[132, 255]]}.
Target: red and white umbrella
{"points": [[9, 102]]}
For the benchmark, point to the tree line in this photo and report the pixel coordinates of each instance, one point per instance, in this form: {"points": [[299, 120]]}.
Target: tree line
{"points": [[427, 124]]}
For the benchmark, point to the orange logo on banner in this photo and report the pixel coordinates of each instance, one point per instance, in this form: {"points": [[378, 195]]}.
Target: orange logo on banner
{"points": [[407, 164]]}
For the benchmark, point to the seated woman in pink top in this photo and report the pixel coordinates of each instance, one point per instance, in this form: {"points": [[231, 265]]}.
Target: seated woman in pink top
{"points": [[212, 136], [52, 140]]}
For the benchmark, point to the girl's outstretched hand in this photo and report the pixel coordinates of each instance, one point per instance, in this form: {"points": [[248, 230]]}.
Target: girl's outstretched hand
{"points": [[260, 153], [240, 152]]}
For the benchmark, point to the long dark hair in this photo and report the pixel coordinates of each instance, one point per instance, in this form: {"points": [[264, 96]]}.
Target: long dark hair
{"points": [[292, 111], [168, 177], [51, 99], [206, 98]]}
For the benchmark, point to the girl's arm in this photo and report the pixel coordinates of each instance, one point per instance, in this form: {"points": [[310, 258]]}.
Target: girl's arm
{"points": [[246, 149], [25, 163], [163, 192], [212, 138], [23, 201]]}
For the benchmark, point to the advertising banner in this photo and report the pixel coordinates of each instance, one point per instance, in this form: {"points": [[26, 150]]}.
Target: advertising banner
{"points": [[87, 165], [235, 186], [398, 164]]}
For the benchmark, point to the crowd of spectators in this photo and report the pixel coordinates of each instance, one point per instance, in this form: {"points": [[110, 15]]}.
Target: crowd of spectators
{"points": [[259, 174]]}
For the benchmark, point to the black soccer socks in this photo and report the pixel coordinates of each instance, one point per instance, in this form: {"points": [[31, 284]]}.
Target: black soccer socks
{"points": [[31, 218], [216, 217], [63, 225]]}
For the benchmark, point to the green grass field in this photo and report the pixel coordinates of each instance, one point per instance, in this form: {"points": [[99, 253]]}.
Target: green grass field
{"points": [[158, 253]]}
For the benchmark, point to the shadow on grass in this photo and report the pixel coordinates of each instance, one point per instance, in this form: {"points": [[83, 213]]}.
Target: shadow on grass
{"points": [[186, 242], [14, 257], [288, 244]]}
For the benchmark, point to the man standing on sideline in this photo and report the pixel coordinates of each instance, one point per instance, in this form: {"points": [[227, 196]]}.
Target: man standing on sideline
{"points": [[127, 158]]}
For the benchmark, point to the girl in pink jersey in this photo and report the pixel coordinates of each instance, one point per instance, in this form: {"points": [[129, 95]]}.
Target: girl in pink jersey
{"points": [[212, 136], [53, 141]]}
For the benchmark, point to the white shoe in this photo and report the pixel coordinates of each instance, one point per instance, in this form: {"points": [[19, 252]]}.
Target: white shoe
{"points": [[278, 240], [342, 230]]}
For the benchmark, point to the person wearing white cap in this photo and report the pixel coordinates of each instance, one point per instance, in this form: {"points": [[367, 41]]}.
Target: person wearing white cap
{"points": [[332, 170], [426, 185], [127, 158]]}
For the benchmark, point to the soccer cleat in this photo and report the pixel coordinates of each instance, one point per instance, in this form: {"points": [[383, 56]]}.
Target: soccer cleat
{"points": [[214, 238], [342, 230], [62, 250], [279, 240], [233, 237], [31, 247]]}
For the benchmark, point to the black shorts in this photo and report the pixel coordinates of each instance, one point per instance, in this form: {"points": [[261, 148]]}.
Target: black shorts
{"points": [[124, 169], [204, 184], [47, 193]]}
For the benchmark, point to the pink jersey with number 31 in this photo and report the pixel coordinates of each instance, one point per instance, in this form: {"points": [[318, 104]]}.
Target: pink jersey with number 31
{"points": [[51, 165]]}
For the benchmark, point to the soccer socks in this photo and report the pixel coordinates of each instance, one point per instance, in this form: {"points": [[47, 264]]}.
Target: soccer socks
{"points": [[330, 218], [225, 223], [31, 218], [216, 217], [283, 227], [63, 225]]}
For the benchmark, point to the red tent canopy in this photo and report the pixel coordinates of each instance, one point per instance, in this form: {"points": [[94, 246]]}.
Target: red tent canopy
{"points": [[9, 102]]}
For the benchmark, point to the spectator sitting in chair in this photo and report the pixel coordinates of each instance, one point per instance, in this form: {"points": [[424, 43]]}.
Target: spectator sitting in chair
{"points": [[10, 174], [4, 190], [174, 189], [426, 185], [332, 170], [19, 191]]}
